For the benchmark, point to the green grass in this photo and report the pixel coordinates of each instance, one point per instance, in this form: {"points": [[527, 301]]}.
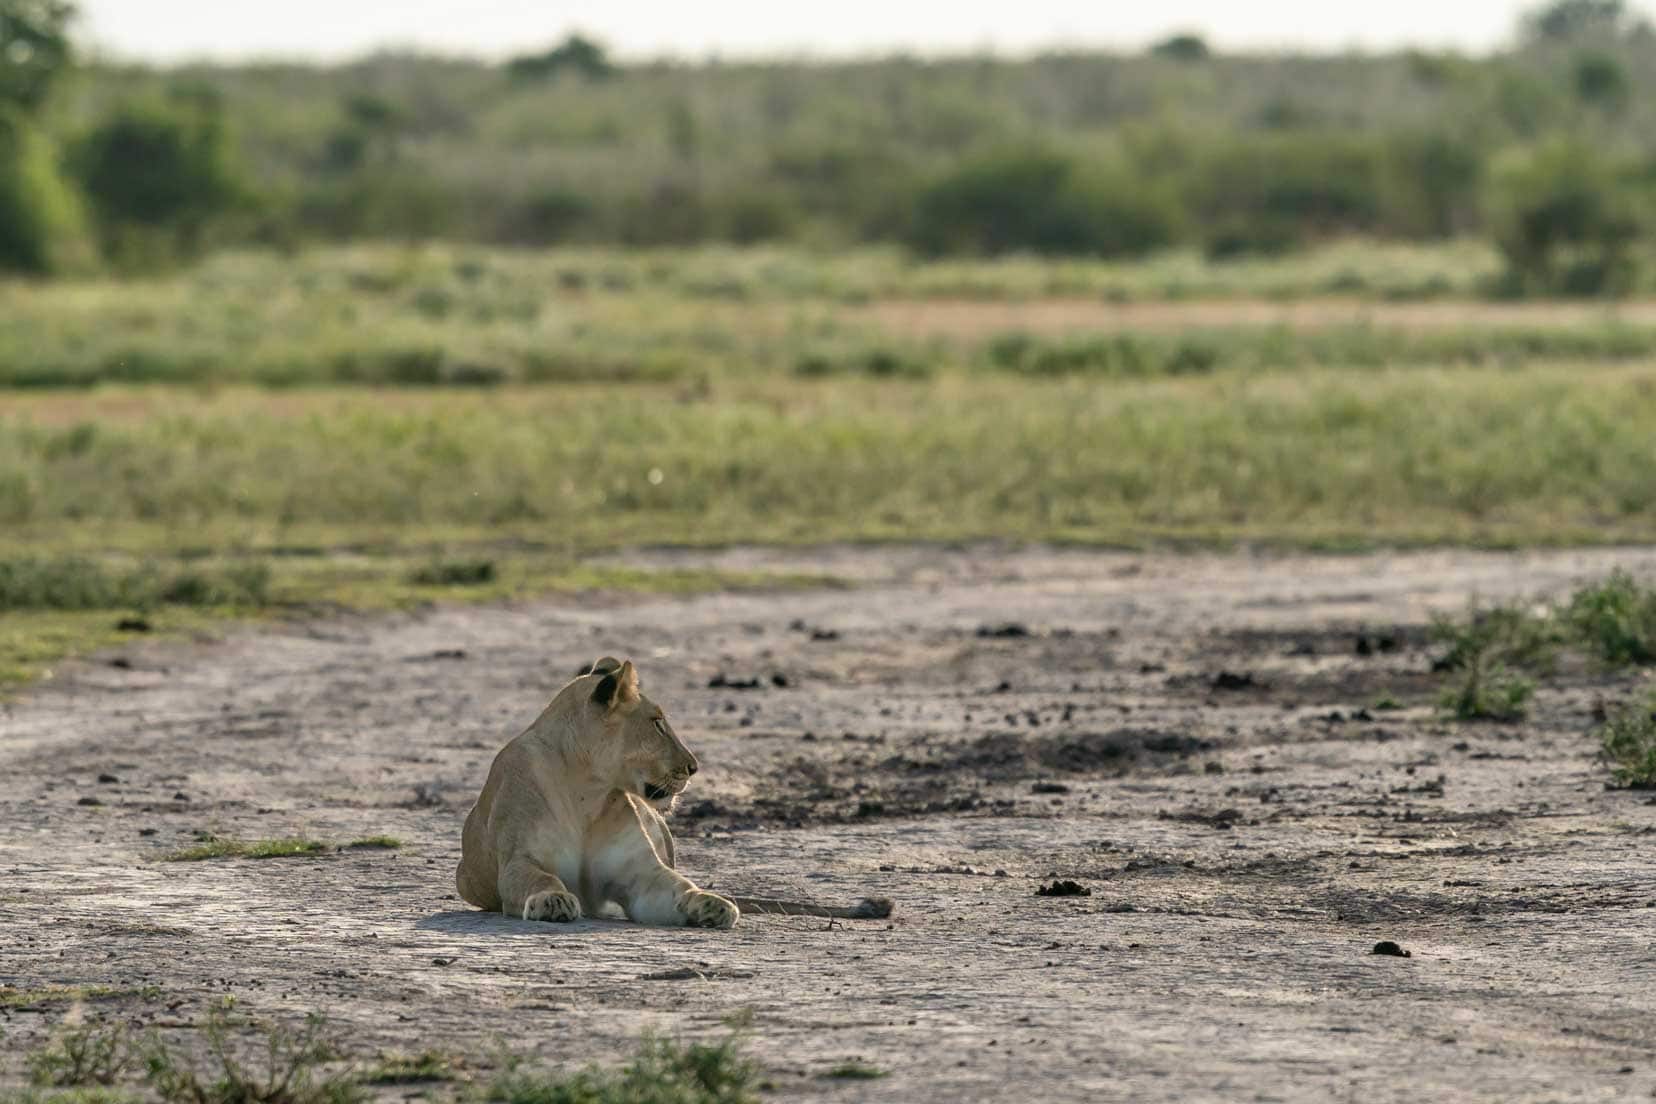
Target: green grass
{"points": [[479, 319], [1615, 620], [374, 843], [81, 1094], [1628, 738], [87, 1055], [297, 1067], [407, 1069], [662, 1072], [855, 1071], [218, 848]]}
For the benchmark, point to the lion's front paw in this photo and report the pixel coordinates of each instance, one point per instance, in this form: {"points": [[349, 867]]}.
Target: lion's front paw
{"points": [[708, 910], [556, 905]]}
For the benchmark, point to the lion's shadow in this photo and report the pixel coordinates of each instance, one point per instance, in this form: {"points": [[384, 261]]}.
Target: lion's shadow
{"points": [[478, 922]]}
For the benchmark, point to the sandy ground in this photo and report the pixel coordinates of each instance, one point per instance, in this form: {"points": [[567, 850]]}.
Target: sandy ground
{"points": [[1247, 840]]}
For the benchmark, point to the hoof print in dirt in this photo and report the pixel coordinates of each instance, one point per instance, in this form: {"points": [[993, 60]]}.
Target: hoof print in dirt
{"points": [[1387, 947], [1232, 680], [1063, 888], [1010, 630]]}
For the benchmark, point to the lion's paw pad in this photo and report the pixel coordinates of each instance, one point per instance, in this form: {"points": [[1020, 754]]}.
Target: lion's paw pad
{"points": [[709, 910], [555, 905]]}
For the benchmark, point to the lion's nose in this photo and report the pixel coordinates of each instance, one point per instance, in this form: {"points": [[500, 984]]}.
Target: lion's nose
{"points": [[694, 766]]}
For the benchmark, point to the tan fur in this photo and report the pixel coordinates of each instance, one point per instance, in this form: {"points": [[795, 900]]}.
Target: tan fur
{"points": [[564, 826]]}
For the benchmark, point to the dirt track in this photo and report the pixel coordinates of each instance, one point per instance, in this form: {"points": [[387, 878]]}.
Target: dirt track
{"points": [[1247, 840]]}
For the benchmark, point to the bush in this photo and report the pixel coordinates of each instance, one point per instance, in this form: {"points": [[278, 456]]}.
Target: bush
{"points": [[1044, 202], [1629, 741], [1181, 47], [42, 229], [1271, 192], [1616, 620], [156, 174], [1564, 217]]}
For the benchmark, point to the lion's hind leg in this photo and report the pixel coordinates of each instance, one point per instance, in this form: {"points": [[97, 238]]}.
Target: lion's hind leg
{"points": [[531, 892]]}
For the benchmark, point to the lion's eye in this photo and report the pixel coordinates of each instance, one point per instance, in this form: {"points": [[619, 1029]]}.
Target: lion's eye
{"points": [[661, 725]]}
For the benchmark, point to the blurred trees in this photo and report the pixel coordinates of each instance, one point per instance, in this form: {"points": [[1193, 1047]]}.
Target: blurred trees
{"points": [[40, 225], [156, 173], [1072, 154]]}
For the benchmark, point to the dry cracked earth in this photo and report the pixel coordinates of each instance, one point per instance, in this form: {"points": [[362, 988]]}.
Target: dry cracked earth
{"points": [[1193, 739]]}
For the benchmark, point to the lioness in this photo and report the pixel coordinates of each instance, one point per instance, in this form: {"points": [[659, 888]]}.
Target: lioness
{"points": [[571, 817]]}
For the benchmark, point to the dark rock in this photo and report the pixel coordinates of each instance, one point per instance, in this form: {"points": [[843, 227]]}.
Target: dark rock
{"points": [[108, 779], [1387, 947], [132, 625], [88, 801], [1049, 788], [722, 681], [1009, 630], [1064, 888], [1232, 680]]}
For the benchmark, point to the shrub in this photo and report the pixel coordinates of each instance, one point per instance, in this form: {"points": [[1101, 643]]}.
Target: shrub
{"points": [[1564, 217], [1044, 202], [663, 1072], [42, 229], [1488, 691], [1616, 620], [156, 173], [1629, 740], [1181, 47], [1270, 192]]}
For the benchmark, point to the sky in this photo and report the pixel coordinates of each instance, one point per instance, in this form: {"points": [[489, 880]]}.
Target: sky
{"points": [[177, 30]]}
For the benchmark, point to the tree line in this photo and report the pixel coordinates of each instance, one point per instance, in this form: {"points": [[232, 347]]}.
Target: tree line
{"points": [[1548, 149]]}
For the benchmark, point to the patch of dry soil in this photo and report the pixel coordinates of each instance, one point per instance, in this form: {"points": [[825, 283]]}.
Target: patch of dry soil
{"points": [[1193, 739]]}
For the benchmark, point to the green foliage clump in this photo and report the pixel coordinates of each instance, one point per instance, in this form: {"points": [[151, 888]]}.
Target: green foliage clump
{"points": [[294, 1069], [663, 1072], [575, 54], [42, 225], [1182, 47], [34, 50], [88, 1055], [1615, 620], [76, 583], [1042, 201], [1628, 737], [156, 173], [1488, 691], [1566, 217], [454, 573]]}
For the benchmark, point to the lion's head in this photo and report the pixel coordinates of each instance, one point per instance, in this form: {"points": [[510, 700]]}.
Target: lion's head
{"points": [[637, 749]]}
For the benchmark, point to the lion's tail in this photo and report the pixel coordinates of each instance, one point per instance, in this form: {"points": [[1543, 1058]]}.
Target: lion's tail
{"points": [[869, 908]]}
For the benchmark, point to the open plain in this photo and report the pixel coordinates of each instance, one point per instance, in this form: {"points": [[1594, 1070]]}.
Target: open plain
{"points": [[1240, 756]]}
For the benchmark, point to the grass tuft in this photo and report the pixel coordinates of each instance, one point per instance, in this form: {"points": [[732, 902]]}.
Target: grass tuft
{"points": [[1629, 741], [855, 1071], [663, 1072], [454, 573], [1615, 620], [225, 848], [407, 1069], [88, 1055], [76, 583], [373, 843], [294, 1069]]}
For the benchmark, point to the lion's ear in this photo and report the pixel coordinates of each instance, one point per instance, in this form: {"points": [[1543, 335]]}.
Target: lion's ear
{"points": [[617, 687], [600, 667]]}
